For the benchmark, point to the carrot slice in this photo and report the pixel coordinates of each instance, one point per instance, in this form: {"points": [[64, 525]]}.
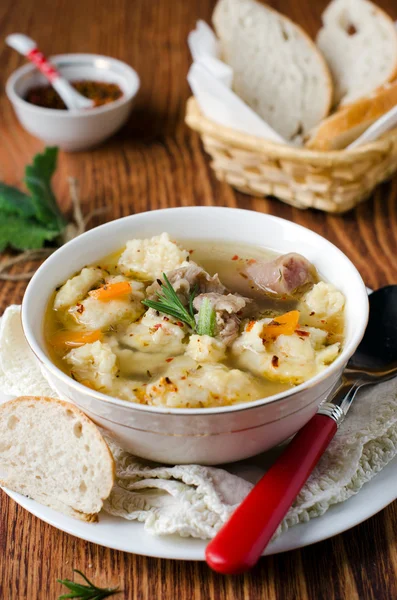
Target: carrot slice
{"points": [[283, 325], [74, 338], [111, 291]]}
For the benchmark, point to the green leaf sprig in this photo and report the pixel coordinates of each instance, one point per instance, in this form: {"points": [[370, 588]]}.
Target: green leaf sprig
{"points": [[85, 592], [28, 221], [169, 303]]}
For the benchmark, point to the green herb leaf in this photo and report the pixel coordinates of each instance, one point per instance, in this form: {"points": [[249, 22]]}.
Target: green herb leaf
{"points": [[15, 202], [168, 303], [23, 234], [85, 592], [27, 222], [38, 181], [206, 321]]}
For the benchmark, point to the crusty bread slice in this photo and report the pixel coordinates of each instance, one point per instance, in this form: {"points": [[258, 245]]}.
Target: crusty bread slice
{"points": [[51, 452], [278, 70], [359, 41], [347, 124]]}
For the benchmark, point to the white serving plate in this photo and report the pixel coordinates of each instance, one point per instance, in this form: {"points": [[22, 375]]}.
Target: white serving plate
{"points": [[130, 536]]}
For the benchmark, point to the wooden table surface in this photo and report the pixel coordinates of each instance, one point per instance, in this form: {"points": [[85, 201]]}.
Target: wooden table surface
{"points": [[155, 161]]}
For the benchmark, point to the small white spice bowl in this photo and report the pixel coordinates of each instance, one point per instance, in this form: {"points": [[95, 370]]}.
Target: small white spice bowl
{"points": [[74, 130]]}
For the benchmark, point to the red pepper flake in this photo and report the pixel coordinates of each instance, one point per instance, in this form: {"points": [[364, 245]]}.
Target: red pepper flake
{"points": [[251, 261], [302, 333], [243, 275], [179, 323], [169, 360], [165, 319], [323, 321], [250, 325], [156, 327], [184, 377], [275, 361], [312, 313], [275, 324], [235, 257], [191, 251], [80, 308], [101, 92]]}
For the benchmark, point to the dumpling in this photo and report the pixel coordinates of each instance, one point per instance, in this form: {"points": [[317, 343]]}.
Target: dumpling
{"points": [[78, 287], [150, 258]]}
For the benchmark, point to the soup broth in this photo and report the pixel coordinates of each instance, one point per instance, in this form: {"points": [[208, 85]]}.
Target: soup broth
{"points": [[114, 344]]}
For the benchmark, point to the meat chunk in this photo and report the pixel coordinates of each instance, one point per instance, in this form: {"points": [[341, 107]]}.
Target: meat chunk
{"points": [[228, 308], [290, 275], [228, 327], [185, 278], [231, 303]]}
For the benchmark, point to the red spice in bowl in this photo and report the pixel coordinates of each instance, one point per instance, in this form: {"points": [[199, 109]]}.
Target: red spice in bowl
{"points": [[99, 91]]}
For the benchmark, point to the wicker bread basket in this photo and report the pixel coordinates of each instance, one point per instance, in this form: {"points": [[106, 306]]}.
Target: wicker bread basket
{"points": [[331, 181]]}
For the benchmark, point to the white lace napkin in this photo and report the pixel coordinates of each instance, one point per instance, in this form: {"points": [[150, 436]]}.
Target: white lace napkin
{"points": [[191, 500]]}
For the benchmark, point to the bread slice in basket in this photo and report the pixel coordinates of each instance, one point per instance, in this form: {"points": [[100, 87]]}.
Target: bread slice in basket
{"points": [[348, 123], [278, 70], [359, 42], [51, 452]]}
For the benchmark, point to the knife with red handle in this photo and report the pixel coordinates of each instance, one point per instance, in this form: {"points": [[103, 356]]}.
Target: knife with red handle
{"points": [[240, 542]]}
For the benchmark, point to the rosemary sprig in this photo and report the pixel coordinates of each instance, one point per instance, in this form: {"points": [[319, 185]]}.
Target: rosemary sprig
{"points": [[85, 592], [169, 303]]}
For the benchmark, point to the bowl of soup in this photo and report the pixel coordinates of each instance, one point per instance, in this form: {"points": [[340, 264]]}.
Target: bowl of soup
{"points": [[196, 334]]}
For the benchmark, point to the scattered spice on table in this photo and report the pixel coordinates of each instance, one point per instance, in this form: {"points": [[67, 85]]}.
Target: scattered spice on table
{"points": [[99, 91]]}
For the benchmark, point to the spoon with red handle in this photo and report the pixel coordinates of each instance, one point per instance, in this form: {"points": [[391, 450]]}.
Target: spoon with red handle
{"points": [[28, 48], [239, 544]]}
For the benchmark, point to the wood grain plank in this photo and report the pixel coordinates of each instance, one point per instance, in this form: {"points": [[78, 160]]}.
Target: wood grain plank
{"points": [[154, 162]]}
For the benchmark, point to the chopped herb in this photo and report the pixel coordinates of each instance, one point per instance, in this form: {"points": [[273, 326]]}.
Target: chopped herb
{"points": [[206, 319]]}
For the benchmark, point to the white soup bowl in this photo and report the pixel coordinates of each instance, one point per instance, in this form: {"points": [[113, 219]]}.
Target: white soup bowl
{"points": [[207, 435]]}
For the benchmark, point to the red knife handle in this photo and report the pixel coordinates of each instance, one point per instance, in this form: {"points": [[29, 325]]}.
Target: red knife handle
{"points": [[241, 541]]}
